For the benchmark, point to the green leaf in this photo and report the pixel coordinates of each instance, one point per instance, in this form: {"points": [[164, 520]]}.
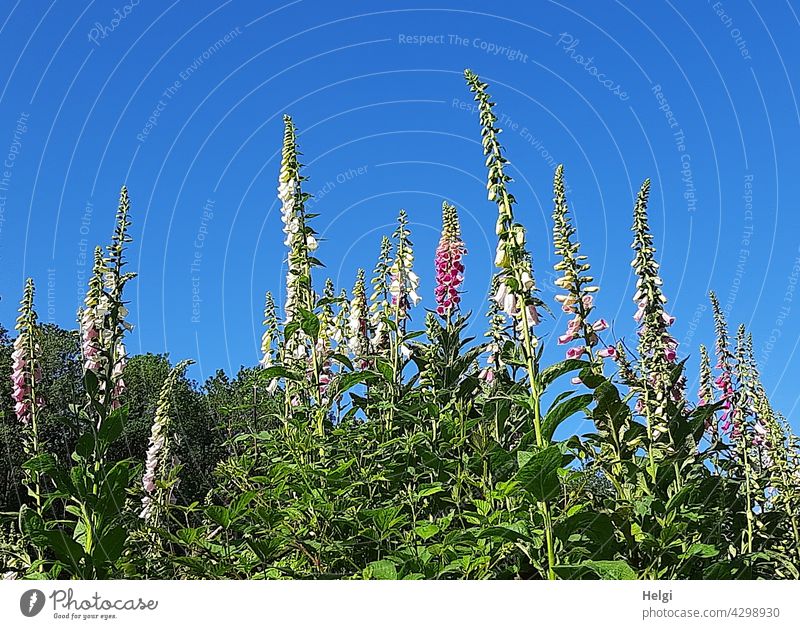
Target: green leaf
{"points": [[701, 550], [562, 411], [309, 323], [65, 548], [515, 532], [84, 447], [383, 569], [429, 490], [112, 427], [385, 369], [276, 371], [109, 546], [30, 522], [219, 514], [43, 463], [538, 476], [617, 570], [239, 504], [342, 383], [549, 374], [426, 531]]}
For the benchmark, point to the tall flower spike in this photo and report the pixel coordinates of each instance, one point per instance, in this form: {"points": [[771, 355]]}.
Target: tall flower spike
{"points": [[269, 340], [729, 421], [379, 299], [764, 415], [160, 459], [115, 261], [403, 282], [358, 323], [342, 318], [657, 349], [448, 263], [327, 337], [516, 290], [754, 428], [498, 336], [578, 300], [270, 336], [705, 394], [300, 238], [327, 318], [25, 370], [92, 319], [105, 313]]}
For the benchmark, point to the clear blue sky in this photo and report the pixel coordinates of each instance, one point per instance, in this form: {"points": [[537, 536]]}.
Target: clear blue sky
{"points": [[182, 101]]}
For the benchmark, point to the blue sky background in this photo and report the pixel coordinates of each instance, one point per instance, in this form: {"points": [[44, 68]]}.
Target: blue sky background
{"points": [[699, 96]]}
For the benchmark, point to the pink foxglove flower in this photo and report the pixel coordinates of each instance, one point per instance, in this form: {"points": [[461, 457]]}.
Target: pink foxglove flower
{"points": [[159, 459], [608, 352], [448, 263], [600, 325], [486, 375], [25, 371], [574, 277], [575, 352]]}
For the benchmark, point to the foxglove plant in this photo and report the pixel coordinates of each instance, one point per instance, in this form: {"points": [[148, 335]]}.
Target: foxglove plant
{"points": [[705, 394], [448, 263], [300, 238], [657, 349], [358, 338], [90, 322], [516, 290], [103, 320], [112, 304], [403, 291], [734, 415], [403, 282], [752, 429], [269, 339], [516, 287], [26, 375], [379, 312], [576, 281], [498, 336], [159, 481], [729, 421], [326, 338], [341, 321]]}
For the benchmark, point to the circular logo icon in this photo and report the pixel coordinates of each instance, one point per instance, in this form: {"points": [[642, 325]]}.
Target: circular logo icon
{"points": [[31, 603]]}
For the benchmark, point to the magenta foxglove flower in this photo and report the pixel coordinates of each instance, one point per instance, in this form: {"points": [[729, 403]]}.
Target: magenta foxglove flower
{"points": [[448, 264], [575, 352]]}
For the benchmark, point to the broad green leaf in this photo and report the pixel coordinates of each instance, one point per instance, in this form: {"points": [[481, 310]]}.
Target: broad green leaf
{"points": [[549, 374], [426, 531], [617, 570], [539, 476], [383, 569], [563, 410]]}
